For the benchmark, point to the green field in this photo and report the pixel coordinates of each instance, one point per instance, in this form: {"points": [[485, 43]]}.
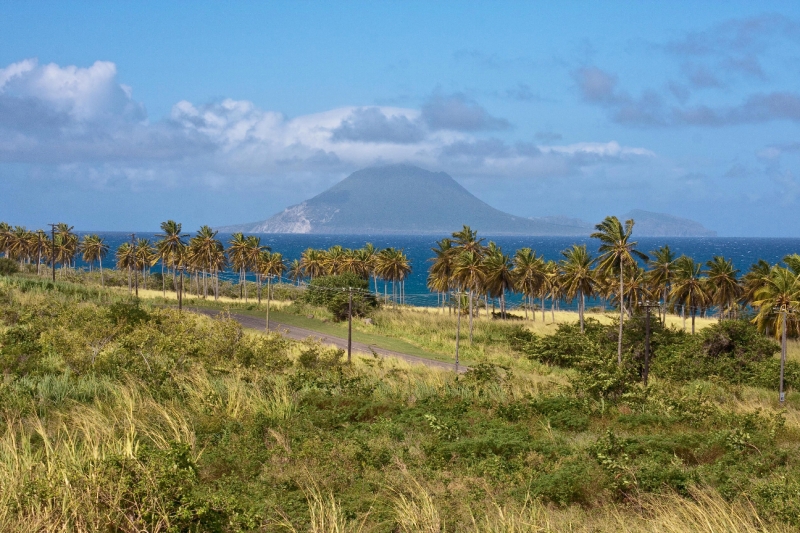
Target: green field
{"points": [[125, 415]]}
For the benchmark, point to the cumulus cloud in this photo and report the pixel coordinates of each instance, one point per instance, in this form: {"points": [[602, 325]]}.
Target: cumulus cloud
{"points": [[83, 122], [372, 125], [600, 88], [85, 94], [459, 113]]}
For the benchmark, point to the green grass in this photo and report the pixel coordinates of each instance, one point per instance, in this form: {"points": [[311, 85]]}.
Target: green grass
{"points": [[125, 416], [333, 329]]}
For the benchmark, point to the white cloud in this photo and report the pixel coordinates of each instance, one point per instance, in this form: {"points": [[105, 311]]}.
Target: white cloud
{"points": [[86, 123], [609, 149]]}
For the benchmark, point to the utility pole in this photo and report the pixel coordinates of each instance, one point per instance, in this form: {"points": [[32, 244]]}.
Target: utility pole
{"points": [[135, 265], [783, 311], [180, 290], [268, 302], [458, 326], [349, 323], [53, 249], [647, 306], [39, 258]]}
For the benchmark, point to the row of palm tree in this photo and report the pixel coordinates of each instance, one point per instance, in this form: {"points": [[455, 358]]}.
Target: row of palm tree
{"points": [[59, 247], [390, 265], [620, 274]]}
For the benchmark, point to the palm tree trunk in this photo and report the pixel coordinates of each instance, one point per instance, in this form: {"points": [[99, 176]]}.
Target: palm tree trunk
{"points": [[470, 317], [163, 281], [102, 281], [544, 310], [258, 288], [683, 315], [621, 315], [580, 308]]}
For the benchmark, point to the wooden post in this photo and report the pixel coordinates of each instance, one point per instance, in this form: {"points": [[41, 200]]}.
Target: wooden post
{"points": [[349, 323]]}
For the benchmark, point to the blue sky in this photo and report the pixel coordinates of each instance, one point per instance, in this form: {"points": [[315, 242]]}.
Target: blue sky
{"points": [[117, 116]]}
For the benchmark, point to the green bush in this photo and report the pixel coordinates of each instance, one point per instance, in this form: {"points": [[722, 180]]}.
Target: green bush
{"points": [[333, 293], [733, 350], [8, 266]]}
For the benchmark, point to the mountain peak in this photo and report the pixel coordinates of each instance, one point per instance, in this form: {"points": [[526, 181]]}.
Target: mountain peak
{"points": [[406, 199], [400, 199]]}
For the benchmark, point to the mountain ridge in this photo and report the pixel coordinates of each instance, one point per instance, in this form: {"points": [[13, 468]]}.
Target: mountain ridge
{"points": [[404, 199]]}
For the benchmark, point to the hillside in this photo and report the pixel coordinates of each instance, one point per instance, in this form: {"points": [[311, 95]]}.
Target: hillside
{"points": [[400, 199], [649, 224]]}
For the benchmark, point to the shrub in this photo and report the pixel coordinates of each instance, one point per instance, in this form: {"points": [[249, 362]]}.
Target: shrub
{"points": [[333, 292], [8, 266], [733, 350]]}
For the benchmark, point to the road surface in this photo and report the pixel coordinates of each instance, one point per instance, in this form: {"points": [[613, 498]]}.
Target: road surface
{"points": [[296, 333]]}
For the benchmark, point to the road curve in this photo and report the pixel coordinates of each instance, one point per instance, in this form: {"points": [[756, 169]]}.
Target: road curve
{"points": [[293, 332]]}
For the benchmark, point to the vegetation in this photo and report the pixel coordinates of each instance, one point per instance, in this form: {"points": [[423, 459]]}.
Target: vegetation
{"points": [[121, 416], [342, 295]]}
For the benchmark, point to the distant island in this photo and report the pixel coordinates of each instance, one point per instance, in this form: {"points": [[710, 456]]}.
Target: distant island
{"points": [[405, 199]]}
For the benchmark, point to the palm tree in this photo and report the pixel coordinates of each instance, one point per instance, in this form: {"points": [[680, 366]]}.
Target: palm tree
{"points": [[94, 248], [755, 279], [499, 276], [17, 244], [204, 256], [126, 260], [723, 284], [392, 265], [369, 254], [253, 252], [551, 288], [660, 275], [440, 275], [275, 267], [689, 287], [334, 259], [5, 233], [296, 271], [529, 273], [781, 291], [637, 287], [469, 274], [170, 249], [617, 250], [467, 240], [67, 245], [777, 299], [577, 276], [146, 257], [239, 254], [311, 263]]}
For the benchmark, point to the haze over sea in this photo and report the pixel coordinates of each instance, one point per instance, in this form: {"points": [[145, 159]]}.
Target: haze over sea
{"points": [[744, 251]]}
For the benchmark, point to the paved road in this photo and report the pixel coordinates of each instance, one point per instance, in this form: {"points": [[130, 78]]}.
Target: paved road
{"points": [[300, 334]]}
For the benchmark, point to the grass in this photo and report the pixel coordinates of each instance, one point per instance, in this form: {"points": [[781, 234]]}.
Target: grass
{"points": [[119, 418]]}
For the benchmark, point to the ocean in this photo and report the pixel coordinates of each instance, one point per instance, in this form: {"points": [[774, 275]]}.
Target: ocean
{"points": [[744, 251]]}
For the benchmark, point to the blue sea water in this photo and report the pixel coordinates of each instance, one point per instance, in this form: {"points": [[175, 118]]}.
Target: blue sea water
{"points": [[743, 251]]}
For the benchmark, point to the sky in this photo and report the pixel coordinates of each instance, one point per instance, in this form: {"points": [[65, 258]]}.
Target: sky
{"points": [[120, 115]]}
